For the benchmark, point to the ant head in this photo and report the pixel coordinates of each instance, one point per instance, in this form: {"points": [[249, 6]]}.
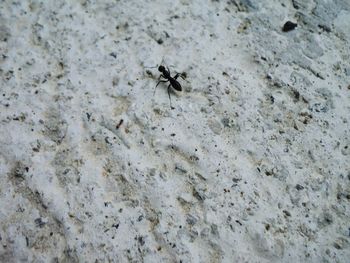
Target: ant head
{"points": [[161, 68]]}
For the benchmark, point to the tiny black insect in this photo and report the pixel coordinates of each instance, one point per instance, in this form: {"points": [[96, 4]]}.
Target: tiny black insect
{"points": [[173, 80]]}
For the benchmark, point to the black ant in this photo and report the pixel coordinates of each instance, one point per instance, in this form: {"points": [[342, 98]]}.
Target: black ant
{"points": [[173, 80]]}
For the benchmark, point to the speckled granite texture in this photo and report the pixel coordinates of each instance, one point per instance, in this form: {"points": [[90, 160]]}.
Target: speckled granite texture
{"points": [[251, 165]]}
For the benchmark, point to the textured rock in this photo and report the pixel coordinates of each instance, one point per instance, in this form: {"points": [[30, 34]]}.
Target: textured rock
{"points": [[251, 165]]}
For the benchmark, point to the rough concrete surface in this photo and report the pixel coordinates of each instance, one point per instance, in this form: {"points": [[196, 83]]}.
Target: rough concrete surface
{"points": [[251, 165]]}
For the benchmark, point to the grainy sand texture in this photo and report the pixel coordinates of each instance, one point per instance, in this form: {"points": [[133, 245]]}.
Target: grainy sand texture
{"points": [[252, 163]]}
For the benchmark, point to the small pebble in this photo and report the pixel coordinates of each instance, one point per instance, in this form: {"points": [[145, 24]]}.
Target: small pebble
{"points": [[299, 187], [288, 26]]}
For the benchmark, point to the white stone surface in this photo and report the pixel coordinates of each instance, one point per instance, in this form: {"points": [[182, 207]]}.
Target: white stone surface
{"points": [[251, 165]]}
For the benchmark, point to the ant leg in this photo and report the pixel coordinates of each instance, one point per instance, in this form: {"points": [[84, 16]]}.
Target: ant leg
{"points": [[158, 84], [179, 75], [168, 70], [161, 82], [170, 97]]}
